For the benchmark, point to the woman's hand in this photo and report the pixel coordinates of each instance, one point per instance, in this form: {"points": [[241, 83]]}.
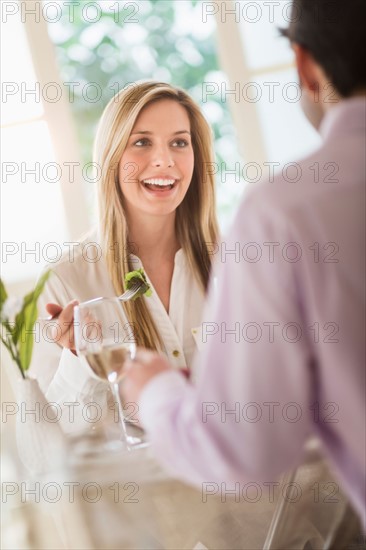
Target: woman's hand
{"points": [[62, 330]]}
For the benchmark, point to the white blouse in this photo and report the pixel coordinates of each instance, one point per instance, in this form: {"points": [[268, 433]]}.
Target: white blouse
{"points": [[82, 274]]}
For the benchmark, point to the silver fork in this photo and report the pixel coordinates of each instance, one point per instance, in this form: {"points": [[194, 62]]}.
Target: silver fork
{"points": [[127, 295]]}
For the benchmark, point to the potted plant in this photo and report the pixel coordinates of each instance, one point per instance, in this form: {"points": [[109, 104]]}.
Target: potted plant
{"points": [[18, 318], [39, 436]]}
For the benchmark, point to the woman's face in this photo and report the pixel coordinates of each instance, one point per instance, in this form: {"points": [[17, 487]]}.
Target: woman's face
{"points": [[156, 167]]}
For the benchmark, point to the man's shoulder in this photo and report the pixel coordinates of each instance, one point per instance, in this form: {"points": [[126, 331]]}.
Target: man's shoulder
{"points": [[289, 184], [307, 182], [307, 195]]}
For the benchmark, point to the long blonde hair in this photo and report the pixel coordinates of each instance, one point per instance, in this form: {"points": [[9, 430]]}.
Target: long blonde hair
{"points": [[195, 222]]}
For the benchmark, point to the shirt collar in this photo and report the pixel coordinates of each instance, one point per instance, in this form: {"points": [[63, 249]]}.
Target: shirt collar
{"points": [[347, 115]]}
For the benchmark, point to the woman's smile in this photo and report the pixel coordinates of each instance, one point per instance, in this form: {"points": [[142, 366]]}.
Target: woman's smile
{"points": [[160, 185]]}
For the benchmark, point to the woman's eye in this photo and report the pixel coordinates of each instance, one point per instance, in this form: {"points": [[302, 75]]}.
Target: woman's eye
{"points": [[141, 142], [180, 143]]}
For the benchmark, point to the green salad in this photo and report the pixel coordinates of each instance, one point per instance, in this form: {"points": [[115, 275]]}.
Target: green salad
{"points": [[134, 276]]}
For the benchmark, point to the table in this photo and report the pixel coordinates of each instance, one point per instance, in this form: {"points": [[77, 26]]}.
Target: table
{"points": [[126, 500], [121, 500]]}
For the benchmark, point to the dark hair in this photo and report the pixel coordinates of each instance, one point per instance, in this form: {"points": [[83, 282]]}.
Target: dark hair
{"points": [[333, 32]]}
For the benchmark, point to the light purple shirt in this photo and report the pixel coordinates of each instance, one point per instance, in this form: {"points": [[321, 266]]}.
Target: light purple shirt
{"points": [[293, 296]]}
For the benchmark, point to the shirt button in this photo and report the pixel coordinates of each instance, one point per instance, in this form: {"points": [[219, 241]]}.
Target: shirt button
{"points": [[176, 353]]}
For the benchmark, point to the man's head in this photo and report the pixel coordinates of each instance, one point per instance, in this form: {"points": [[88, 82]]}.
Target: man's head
{"points": [[328, 40]]}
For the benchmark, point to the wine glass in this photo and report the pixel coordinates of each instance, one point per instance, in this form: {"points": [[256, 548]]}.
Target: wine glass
{"points": [[105, 340]]}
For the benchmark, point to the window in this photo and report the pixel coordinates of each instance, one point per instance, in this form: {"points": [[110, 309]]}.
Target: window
{"points": [[266, 102], [34, 221]]}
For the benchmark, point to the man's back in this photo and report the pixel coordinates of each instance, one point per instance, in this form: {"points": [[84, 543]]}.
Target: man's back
{"points": [[323, 215]]}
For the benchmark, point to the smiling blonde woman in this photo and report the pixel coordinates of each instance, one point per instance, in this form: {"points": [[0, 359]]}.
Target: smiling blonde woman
{"points": [[156, 212]]}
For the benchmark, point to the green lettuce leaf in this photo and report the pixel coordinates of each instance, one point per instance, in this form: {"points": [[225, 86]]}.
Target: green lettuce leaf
{"points": [[138, 275]]}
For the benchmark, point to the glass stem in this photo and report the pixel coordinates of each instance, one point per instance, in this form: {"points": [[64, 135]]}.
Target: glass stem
{"points": [[117, 398]]}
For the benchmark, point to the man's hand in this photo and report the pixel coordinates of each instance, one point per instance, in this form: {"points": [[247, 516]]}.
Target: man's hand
{"points": [[140, 371]]}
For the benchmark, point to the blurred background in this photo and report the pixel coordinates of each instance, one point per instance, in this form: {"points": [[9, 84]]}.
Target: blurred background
{"points": [[63, 61]]}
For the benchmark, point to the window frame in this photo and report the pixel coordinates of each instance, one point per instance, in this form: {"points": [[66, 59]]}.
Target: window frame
{"points": [[229, 37], [58, 117]]}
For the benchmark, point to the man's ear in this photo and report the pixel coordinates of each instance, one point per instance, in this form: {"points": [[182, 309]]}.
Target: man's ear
{"points": [[307, 68]]}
